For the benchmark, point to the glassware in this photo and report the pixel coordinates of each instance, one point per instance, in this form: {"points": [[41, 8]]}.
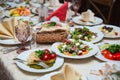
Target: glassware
{"points": [[43, 13], [33, 33], [22, 33], [75, 6]]}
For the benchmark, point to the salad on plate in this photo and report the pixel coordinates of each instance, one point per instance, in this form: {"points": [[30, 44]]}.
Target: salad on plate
{"points": [[108, 52], [89, 34], [83, 34], [76, 49]]}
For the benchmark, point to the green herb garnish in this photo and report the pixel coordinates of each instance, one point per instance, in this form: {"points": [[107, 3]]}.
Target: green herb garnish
{"points": [[52, 24], [39, 53], [114, 48], [30, 23]]}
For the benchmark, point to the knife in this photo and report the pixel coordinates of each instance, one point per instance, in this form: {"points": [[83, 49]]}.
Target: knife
{"points": [[41, 63]]}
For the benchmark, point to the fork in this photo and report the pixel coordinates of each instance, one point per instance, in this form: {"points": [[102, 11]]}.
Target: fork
{"points": [[41, 63]]}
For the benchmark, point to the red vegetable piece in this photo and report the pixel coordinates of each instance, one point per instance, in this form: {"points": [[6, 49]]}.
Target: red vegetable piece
{"points": [[116, 56], [107, 54], [46, 57], [53, 56], [47, 51]]}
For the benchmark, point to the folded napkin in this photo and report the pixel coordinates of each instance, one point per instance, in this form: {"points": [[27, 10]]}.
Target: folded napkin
{"points": [[88, 16], [68, 74], [60, 13], [7, 29]]}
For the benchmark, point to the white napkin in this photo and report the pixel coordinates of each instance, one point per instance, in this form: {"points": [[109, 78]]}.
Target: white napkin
{"points": [[88, 16]]}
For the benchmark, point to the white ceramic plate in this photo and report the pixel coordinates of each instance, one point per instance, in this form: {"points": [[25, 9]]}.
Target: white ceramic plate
{"points": [[77, 21], [116, 28], [48, 76], [91, 52], [35, 10], [11, 41], [99, 34], [24, 55], [100, 56], [99, 66]]}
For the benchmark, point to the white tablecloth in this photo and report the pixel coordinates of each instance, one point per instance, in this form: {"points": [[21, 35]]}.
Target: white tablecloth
{"points": [[82, 65]]}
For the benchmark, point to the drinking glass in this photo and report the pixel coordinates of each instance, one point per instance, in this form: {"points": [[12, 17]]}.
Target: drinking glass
{"points": [[43, 13], [75, 6], [22, 33]]}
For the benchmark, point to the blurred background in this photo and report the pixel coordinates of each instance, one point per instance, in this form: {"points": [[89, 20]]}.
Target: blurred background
{"points": [[108, 10]]}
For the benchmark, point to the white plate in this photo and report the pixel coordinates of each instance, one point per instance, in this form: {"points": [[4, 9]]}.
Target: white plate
{"points": [[27, 18], [24, 55], [77, 21], [99, 66], [48, 76], [116, 28], [11, 41], [99, 54], [35, 10], [99, 34], [91, 52]]}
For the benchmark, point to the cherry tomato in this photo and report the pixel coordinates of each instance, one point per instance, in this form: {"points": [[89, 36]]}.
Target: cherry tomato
{"points": [[107, 54], [58, 25], [104, 52], [46, 57], [116, 56], [47, 51], [53, 56]]}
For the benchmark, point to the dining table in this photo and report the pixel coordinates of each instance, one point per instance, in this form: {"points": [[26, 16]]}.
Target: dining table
{"points": [[81, 65]]}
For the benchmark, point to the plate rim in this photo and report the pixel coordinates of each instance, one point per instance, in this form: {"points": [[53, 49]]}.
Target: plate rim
{"points": [[100, 35], [99, 65], [26, 54], [55, 49], [100, 56], [73, 19], [114, 26], [56, 72]]}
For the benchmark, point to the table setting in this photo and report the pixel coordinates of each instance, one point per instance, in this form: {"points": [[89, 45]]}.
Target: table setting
{"points": [[41, 40]]}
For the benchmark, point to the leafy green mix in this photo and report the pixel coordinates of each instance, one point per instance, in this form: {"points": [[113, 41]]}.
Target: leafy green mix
{"points": [[75, 47], [83, 34], [111, 47], [39, 53], [52, 24], [114, 48]]}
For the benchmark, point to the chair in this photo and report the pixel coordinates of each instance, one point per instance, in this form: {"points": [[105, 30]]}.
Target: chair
{"points": [[107, 3]]}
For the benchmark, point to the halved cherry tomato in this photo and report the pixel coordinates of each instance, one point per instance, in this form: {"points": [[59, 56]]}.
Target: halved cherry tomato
{"points": [[104, 52], [46, 57], [116, 56], [59, 25], [107, 54], [53, 56], [47, 51]]}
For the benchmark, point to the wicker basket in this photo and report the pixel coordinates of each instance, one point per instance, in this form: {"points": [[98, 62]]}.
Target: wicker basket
{"points": [[50, 37]]}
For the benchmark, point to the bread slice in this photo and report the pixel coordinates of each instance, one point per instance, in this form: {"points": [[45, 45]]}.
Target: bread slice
{"points": [[70, 73], [58, 76]]}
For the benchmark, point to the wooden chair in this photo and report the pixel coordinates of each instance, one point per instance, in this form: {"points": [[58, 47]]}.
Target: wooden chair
{"points": [[107, 3]]}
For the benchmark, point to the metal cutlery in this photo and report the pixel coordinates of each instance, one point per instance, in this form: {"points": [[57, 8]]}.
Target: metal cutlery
{"points": [[41, 63]]}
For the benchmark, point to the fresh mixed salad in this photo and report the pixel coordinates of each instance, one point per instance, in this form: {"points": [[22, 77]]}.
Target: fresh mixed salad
{"points": [[111, 51], [83, 34], [45, 55], [72, 47]]}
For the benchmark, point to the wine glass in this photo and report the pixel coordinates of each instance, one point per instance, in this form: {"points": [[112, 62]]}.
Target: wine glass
{"points": [[22, 33], [75, 6]]}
